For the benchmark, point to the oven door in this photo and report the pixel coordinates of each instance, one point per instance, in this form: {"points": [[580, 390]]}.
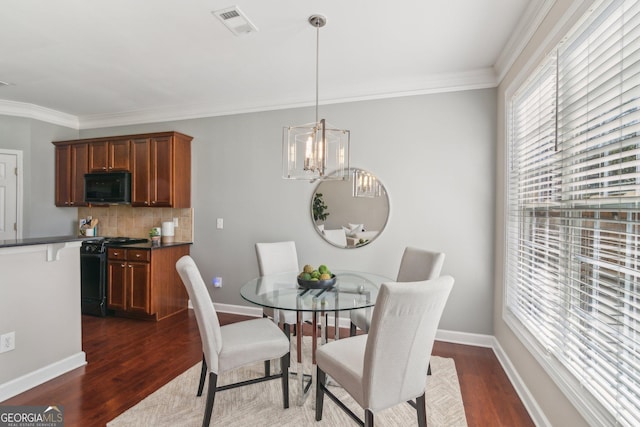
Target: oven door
{"points": [[93, 284]]}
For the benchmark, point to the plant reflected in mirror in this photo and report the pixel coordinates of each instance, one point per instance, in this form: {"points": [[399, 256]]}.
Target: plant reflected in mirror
{"points": [[319, 208]]}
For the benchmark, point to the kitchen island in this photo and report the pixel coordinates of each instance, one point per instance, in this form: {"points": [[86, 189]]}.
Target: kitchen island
{"points": [[39, 311]]}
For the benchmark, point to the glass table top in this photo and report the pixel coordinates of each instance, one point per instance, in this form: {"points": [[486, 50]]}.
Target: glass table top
{"points": [[281, 291]]}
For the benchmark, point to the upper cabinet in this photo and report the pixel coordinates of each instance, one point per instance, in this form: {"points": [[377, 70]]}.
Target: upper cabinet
{"points": [[71, 165], [160, 166], [161, 171], [109, 156]]}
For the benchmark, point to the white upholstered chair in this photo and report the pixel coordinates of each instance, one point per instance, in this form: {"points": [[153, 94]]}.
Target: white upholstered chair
{"points": [[388, 365], [416, 265], [231, 346], [274, 258]]}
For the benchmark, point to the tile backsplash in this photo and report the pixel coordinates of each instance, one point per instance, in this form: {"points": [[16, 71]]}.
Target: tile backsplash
{"points": [[125, 221]]}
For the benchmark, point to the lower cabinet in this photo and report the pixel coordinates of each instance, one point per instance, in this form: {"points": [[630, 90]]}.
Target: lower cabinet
{"points": [[144, 282]]}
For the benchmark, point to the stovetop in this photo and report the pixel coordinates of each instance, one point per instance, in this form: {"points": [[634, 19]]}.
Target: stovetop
{"points": [[98, 245]]}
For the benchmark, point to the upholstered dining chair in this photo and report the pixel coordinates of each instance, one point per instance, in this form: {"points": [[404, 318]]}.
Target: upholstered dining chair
{"points": [[387, 366], [274, 258], [232, 346], [416, 265]]}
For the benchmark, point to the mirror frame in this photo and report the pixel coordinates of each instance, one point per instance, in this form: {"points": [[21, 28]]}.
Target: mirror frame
{"points": [[350, 183]]}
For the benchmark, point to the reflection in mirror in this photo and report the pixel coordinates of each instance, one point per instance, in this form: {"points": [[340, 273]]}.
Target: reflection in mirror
{"points": [[353, 213]]}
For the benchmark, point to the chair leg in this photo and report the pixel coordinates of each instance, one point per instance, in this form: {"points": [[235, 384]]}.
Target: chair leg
{"points": [[368, 418], [429, 369], [285, 362], [320, 380], [352, 330], [287, 330], [422, 410], [211, 396], [203, 375]]}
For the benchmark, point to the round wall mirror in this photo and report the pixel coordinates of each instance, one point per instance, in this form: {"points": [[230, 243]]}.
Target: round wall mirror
{"points": [[350, 213]]}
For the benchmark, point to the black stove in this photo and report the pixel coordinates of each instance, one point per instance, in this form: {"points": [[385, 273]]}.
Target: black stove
{"points": [[93, 272], [99, 245]]}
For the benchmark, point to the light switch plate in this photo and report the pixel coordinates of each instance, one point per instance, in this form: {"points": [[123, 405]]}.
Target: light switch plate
{"points": [[219, 223], [7, 342]]}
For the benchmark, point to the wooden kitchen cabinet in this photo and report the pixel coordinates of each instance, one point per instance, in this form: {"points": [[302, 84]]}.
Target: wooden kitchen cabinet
{"points": [[161, 171], [109, 156], [160, 166], [71, 165], [128, 278], [143, 283]]}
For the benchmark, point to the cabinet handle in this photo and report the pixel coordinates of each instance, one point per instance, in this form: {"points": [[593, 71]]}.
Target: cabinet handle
{"points": [[115, 254], [146, 203], [104, 167], [130, 266], [137, 255], [153, 202], [122, 265], [71, 203]]}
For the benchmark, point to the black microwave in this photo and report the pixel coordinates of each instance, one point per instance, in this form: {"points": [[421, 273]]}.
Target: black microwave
{"points": [[114, 187]]}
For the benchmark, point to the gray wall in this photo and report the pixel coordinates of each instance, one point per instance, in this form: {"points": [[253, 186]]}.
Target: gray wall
{"points": [[434, 153], [33, 138]]}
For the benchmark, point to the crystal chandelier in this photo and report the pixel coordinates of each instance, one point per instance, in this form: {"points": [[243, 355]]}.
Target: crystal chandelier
{"points": [[315, 151]]}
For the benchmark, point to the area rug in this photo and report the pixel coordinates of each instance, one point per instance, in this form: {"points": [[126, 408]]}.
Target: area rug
{"points": [[260, 404]]}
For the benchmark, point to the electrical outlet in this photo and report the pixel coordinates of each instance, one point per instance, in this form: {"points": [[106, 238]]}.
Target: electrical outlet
{"points": [[7, 342], [217, 282], [175, 222], [220, 223]]}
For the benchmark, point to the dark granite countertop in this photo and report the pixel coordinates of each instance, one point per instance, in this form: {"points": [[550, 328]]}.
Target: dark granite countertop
{"points": [[40, 241], [153, 246]]}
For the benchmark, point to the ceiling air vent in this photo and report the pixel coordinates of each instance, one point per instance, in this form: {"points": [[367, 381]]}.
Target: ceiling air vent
{"points": [[236, 21]]}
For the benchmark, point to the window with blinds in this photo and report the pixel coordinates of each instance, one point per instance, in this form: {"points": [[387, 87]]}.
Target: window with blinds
{"points": [[572, 282]]}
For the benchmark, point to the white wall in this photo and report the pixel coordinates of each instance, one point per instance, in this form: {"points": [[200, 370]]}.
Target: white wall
{"points": [[551, 401], [434, 153], [40, 302]]}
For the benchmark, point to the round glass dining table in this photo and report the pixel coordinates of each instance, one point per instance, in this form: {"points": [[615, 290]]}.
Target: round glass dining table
{"points": [[352, 290]]}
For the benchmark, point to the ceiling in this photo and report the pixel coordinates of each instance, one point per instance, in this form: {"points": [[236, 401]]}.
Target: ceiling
{"points": [[100, 63]]}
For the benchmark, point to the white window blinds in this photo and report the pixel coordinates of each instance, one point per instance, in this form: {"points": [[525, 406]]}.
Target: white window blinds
{"points": [[573, 229]]}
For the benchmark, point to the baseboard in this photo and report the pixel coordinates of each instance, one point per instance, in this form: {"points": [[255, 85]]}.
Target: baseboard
{"points": [[477, 340], [529, 402], [237, 309], [42, 375]]}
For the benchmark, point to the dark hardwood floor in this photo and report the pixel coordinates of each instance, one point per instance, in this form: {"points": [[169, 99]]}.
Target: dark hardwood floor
{"points": [[130, 359]]}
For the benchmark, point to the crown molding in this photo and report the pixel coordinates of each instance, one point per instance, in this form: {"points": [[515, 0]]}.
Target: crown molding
{"points": [[450, 82], [32, 111], [529, 23]]}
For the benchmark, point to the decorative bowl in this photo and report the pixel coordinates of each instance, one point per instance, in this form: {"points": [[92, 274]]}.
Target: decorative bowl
{"points": [[317, 284]]}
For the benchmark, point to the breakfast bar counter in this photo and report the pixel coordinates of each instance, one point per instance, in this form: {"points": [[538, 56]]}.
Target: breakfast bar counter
{"points": [[39, 311], [39, 241]]}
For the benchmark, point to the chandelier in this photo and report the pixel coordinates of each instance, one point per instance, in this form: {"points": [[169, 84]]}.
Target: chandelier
{"points": [[365, 184], [315, 151]]}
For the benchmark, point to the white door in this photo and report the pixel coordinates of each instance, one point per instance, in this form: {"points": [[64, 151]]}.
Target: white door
{"points": [[8, 196]]}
